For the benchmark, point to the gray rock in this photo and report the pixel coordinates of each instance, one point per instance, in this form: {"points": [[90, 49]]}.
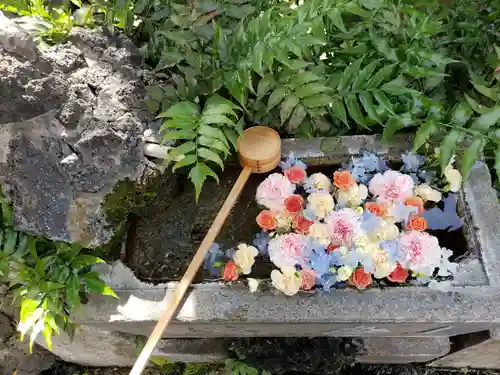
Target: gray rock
{"points": [[6, 328], [15, 40], [70, 129], [15, 356]]}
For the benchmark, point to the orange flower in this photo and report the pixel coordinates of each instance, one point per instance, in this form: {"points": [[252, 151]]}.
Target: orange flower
{"points": [[302, 224], [230, 272], [266, 220], [307, 279], [375, 208], [332, 247], [399, 275], [417, 222], [294, 204], [416, 202], [343, 179], [360, 279]]}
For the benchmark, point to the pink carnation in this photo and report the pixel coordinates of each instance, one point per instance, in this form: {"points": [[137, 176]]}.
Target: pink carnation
{"points": [[391, 187], [273, 191], [343, 225], [419, 252], [288, 250]]}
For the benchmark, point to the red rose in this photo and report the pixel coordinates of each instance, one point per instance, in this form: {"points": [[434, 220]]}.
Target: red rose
{"points": [[307, 279], [302, 224], [399, 275], [294, 204], [266, 220], [295, 174], [230, 272], [360, 279]]}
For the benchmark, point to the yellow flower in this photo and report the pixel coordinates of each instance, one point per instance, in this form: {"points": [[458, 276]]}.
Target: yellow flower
{"points": [[453, 177], [344, 273], [359, 210], [361, 240], [353, 196], [284, 221], [288, 280], [244, 258], [321, 203], [383, 267], [320, 182], [387, 230], [427, 193], [319, 231]]}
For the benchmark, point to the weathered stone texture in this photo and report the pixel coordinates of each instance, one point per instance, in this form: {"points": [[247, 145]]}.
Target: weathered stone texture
{"points": [[71, 124]]}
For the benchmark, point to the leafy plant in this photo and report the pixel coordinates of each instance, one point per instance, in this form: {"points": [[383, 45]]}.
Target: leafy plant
{"points": [[237, 367], [48, 280], [205, 134]]}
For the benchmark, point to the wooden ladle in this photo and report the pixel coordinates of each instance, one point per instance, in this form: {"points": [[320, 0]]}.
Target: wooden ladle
{"points": [[259, 150]]}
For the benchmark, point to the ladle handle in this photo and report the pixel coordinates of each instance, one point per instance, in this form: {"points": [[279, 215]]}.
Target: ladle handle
{"points": [[191, 271]]}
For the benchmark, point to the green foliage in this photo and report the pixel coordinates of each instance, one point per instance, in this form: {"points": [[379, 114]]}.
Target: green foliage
{"points": [[48, 280], [237, 367]]}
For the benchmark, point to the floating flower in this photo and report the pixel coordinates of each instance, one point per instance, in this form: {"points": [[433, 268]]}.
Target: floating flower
{"points": [[353, 196], [344, 272], [295, 174], [294, 204], [360, 279], [288, 250], [301, 224], [320, 262], [288, 280], [266, 220], [411, 161], [253, 284], [419, 251], [244, 258], [291, 161], [382, 263], [427, 193], [417, 223], [307, 279], [415, 202], [391, 187], [273, 191], [317, 182], [343, 179], [321, 233], [446, 268], [375, 208], [261, 242], [398, 275], [284, 221], [230, 272], [343, 225], [454, 178], [321, 204], [387, 231], [401, 213]]}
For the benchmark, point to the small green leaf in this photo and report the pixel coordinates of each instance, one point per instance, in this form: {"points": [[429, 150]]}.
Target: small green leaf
{"points": [[181, 109], [382, 46], [298, 115], [301, 79], [179, 123], [232, 137], [311, 89], [185, 161], [10, 241], [423, 133], [182, 149], [28, 306], [383, 101], [168, 59], [178, 135], [213, 132], [208, 119], [84, 260], [209, 155], [381, 76], [336, 18], [393, 125], [486, 91], [497, 162], [197, 176], [276, 98], [477, 107], [47, 334], [367, 103], [363, 77], [73, 291], [461, 114], [258, 53], [471, 154], [338, 110], [316, 101], [351, 102], [211, 142], [265, 84], [349, 73], [96, 285], [486, 120], [287, 107], [448, 146]]}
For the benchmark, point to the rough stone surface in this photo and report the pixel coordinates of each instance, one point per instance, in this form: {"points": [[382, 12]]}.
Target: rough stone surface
{"points": [[6, 328], [71, 123], [15, 357]]}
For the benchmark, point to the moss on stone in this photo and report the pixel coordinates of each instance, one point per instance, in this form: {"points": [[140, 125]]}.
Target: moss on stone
{"points": [[197, 369]]}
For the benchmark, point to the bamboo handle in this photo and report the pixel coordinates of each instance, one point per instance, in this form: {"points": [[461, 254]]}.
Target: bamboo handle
{"points": [[191, 271]]}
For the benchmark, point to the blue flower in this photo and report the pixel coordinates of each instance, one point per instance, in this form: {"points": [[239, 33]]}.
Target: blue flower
{"points": [[391, 246], [429, 177], [320, 262], [309, 214], [291, 161], [336, 258], [327, 281], [261, 242], [370, 222], [401, 212], [355, 257], [369, 161], [411, 162], [215, 254]]}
